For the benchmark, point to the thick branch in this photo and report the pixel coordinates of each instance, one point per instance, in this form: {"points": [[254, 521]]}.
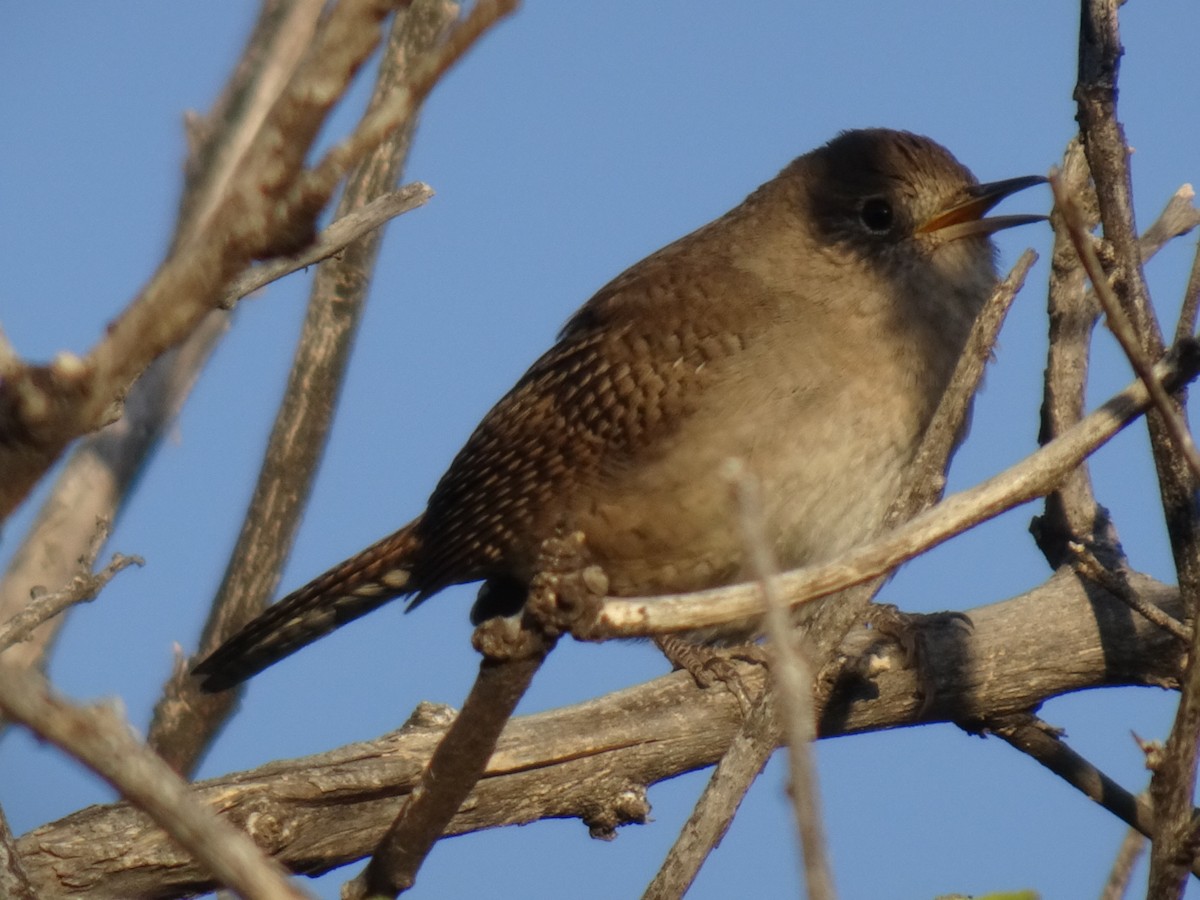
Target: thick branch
{"points": [[594, 760]]}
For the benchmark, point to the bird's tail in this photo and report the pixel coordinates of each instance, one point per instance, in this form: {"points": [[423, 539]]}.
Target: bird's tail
{"points": [[350, 589]]}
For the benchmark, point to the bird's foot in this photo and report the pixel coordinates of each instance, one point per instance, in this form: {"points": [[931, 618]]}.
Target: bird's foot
{"points": [[709, 665], [911, 634]]}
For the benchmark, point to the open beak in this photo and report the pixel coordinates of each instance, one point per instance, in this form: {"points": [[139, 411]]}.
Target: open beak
{"points": [[966, 217]]}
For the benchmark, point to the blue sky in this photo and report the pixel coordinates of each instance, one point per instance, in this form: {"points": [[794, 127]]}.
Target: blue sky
{"points": [[575, 140]]}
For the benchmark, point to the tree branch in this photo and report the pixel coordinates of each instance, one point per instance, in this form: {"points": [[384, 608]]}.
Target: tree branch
{"points": [[14, 883], [84, 587], [97, 737], [185, 720], [1122, 328], [594, 760], [268, 207], [1173, 784]]}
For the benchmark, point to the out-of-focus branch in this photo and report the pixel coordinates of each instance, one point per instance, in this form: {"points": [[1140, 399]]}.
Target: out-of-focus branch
{"points": [[792, 691], [82, 588], [268, 207], [1133, 845], [97, 737], [185, 720], [14, 883], [94, 482]]}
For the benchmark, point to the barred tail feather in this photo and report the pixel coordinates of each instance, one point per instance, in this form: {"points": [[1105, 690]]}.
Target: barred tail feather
{"points": [[350, 589]]}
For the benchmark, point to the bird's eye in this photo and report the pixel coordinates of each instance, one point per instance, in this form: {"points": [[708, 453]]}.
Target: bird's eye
{"points": [[876, 214]]}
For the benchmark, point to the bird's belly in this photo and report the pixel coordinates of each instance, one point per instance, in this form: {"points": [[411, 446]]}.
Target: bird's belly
{"points": [[671, 524]]}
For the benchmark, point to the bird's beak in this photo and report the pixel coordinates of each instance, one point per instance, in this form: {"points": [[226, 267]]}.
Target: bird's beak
{"points": [[965, 217]]}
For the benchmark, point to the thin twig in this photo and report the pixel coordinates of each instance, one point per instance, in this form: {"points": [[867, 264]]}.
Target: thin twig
{"points": [[343, 231], [792, 678], [98, 738], [1117, 584], [83, 588], [1191, 299], [95, 482], [1133, 845], [927, 477], [1122, 328], [1035, 738]]}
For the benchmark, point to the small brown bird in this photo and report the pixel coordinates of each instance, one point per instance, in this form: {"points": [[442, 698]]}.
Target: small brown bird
{"points": [[809, 332]]}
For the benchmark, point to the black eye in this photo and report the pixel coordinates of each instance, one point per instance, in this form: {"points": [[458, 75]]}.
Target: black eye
{"points": [[876, 214]]}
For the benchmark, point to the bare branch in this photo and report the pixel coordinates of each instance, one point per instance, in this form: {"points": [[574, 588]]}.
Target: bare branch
{"points": [[1191, 298], [593, 760], [1071, 512], [14, 883], [742, 758], [1117, 584], [1035, 738], [344, 231], [1173, 784], [268, 207], [1122, 328], [455, 768], [792, 681], [1179, 217], [1133, 845], [83, 588], [219, 142], [95, 480], [401, 105], [185, 719], [102, 741]]}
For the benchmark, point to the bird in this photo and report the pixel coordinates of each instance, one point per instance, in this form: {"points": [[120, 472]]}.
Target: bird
{"points": [[809, 333]]}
